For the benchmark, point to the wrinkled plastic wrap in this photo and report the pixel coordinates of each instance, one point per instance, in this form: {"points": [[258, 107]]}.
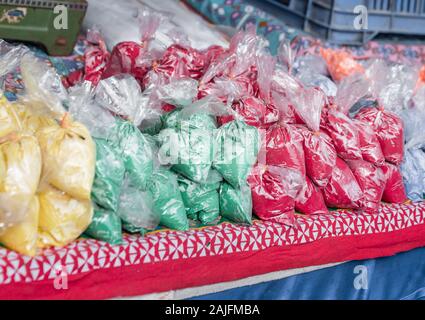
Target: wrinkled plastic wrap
{"points": [[84, 109], [131, 57], [62, 218], [340, 63], [201, 200], [372, 181], [121, 95], [96, 56], [105, 226], [167, 200], [188, 143], [237, 148], [22, 237], [254, 112], [20, 169], [310, 199], [319, 151], [109, 176], [69, 156], [342, 191], [284, 147], [394, 191], [136, 207], [236, 203], [344, 134], [9, 120], [273, 192], [369, 144], [43, 87], [413, 121], [413, 175], [389, 130], [136, 151]]}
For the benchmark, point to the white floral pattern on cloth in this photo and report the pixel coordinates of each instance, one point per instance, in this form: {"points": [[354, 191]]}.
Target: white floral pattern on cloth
{"points": [[87, 255]]}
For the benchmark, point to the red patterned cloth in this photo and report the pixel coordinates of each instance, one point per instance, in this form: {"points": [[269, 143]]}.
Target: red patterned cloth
{"points": [[170, 260]]}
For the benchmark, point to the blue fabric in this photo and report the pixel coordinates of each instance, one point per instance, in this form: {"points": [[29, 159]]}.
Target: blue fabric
{"points": [[397, 277], [239, 14]]}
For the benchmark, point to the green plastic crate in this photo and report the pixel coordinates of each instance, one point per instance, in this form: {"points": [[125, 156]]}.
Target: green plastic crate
{"points": [[34, 21]]}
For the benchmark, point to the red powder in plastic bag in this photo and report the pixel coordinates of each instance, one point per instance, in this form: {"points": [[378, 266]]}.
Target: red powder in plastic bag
{"points": [[394, 191], [342, 191]]}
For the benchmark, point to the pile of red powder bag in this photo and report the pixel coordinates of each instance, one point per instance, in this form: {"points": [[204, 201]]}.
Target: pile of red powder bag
{"points": [[314, 155]]}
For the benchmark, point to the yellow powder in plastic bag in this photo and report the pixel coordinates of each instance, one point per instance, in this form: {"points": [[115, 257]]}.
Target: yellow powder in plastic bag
{"points": [[20, 170], [9, 121], [62, 218], [22, 237], [32, 121], [69, 157]]}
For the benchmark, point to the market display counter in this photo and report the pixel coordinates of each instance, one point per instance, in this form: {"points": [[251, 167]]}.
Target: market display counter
{"points": [[170, 260]]}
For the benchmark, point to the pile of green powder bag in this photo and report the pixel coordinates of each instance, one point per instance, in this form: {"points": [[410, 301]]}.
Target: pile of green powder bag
{"points": [[154, 169]]}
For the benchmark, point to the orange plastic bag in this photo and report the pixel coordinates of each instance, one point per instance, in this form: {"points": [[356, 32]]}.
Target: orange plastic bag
{"points": [[340, 63]]}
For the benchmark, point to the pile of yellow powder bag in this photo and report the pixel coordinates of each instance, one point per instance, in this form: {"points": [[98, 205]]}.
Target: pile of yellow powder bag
{"points": [[47, 165]]}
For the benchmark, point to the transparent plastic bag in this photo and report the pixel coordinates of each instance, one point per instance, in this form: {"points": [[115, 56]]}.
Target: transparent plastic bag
{"points": [[344, 134], [105, 226], [121, 95], [10, 58], [413, 177], [22, 237], [187, 144], [69, 157], [20, 169], [319, 151], [9, 119], [413, 121], [167, 200], [350, 90], [389, 130], [96, 56], [369, 144], [372, 181], [274, 190], [237, 148], [236, 203], [394, 191], [135, 58], [284, 148], [310, 200], [340, 63], [136, 207], [84, 109], [136, 151], [62, 218], [343, 190], [202, 200], [43, 87], [179, 93], [109, 176]]}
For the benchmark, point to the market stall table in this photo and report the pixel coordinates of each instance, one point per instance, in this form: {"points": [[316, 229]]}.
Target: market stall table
{"points": [[170, 260]]}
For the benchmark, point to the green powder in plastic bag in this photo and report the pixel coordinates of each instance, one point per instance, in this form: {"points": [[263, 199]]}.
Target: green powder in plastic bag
{"points": [[136, 151], [237, 149], [236, 204], [167, 200], [128, 227], [109, 176], [105, 226], [201, 200], [194, 140]]}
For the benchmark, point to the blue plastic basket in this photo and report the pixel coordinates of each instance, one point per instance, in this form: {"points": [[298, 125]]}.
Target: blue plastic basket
{"points": [[334, 19]]}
